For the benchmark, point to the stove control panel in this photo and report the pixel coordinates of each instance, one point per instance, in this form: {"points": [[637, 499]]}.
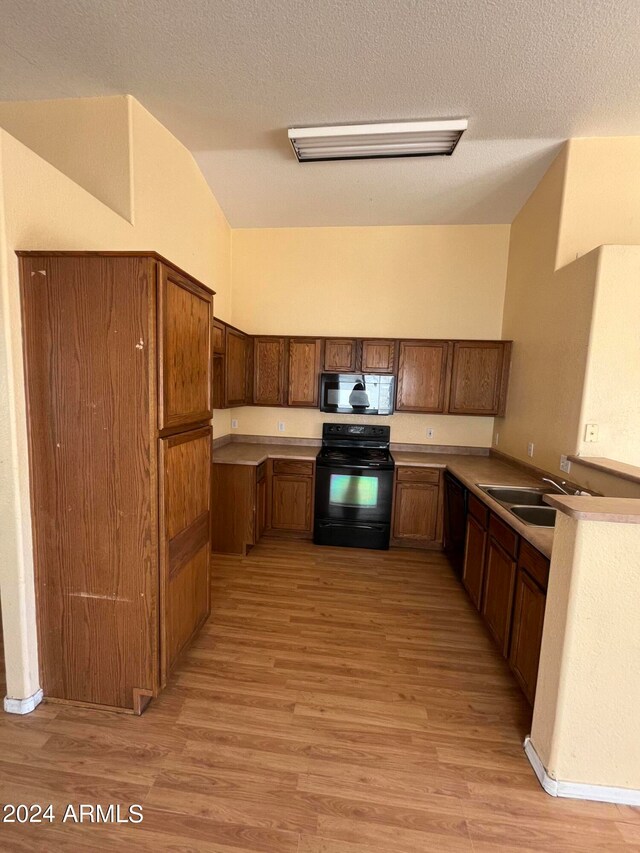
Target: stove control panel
{"points": [[382, 433]]}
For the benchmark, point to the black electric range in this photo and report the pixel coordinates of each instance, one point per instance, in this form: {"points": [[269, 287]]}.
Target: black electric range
{"points": [[354, 486]]}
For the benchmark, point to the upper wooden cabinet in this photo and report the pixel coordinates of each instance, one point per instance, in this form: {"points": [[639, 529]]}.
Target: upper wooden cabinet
{"points": [[219, 336], [238, 352], [340, 355], [422, 376], [348, 355], [269, 368], [305, 358], [378, 356], [458, 377], [479, 376], [184, 351]]}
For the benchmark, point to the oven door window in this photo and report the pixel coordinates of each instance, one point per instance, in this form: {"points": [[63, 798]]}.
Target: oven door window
{"points": [[349, 491]]}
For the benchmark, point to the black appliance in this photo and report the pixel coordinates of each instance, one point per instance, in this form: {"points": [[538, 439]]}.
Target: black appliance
{"points": [[356, 393], [354, 486], [455, 521]]}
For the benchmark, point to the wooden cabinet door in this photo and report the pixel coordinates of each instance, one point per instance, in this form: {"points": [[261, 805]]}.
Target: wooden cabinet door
{"points": [[291, 502], [236, 368], [378, 356], [261, 508], [91, 394], [304, 371], [185, 491], [455, 521], [422, 376], [474, 559], [340, 355], [415, 512], [497, 597], [218, 380], [479, 377], [184, 351], [268, 371], [219, 336], [526, 638]]}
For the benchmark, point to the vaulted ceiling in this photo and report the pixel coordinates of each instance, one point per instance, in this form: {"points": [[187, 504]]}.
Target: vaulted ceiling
{"points": [[228, 77]]}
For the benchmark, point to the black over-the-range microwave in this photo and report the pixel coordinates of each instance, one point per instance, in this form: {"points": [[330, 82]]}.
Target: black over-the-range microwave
{"points": [[356, 393]]}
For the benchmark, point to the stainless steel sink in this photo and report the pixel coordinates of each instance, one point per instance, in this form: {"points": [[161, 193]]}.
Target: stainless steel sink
{"points": [[516, 495], [539, 516]]}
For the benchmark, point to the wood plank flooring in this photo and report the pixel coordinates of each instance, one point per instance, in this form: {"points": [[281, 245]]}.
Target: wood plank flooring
{"points": [[337, 701]]}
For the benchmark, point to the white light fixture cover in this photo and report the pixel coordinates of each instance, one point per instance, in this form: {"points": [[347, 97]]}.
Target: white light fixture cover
{"points": [[382, 139]]}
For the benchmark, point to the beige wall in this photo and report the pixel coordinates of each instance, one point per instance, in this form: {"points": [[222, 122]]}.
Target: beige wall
{"points": [[405, 428], [401, 281], [566, 338], [175, 214], [99, 156], [585, 722], [422, 281], [612, 384], [601, 201], [548, 316]]}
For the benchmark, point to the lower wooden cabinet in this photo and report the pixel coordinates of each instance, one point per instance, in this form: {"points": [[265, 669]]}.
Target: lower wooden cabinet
{"points": [[497, 597], [275, 496], [528, 617], [417, 507], [239, 499], [506, 579], [474, 559], [185, 460], [292, 487], [526, 639], [261, 504]]}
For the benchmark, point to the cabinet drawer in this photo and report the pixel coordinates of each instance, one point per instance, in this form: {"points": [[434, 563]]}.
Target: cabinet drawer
{"points": [[283, 466], [503, 534], [418, 475], [534, 563], [478, 510], [261, 471]]}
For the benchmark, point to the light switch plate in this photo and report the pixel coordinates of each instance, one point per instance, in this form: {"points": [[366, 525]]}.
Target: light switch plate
{"points": [[530, 449], [565, 464], [430, 432]]}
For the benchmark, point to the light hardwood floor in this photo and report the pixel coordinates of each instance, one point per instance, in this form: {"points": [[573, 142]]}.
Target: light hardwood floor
{"points": [[337, 701]]}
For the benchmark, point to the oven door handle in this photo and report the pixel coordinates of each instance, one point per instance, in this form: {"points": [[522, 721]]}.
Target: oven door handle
{"points": [[336, 468]]}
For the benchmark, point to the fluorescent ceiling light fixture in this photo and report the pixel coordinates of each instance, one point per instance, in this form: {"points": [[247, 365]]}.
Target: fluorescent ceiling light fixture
{"points": [[372, 141]]}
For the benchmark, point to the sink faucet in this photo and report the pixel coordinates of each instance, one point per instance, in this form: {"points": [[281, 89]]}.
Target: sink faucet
{"points": [[560, 486]]}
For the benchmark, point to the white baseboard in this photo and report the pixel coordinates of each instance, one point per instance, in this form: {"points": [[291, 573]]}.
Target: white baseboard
{"points": [[23, 706], [578, 790]]}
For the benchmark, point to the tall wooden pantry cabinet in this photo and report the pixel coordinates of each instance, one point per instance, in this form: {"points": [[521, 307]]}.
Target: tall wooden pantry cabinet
{"points": [[117, 350]]}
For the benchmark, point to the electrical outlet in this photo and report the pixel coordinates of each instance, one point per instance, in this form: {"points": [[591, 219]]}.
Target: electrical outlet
{"points": [[530, 449], [591, 432], [280, 426], [497, 439], [234, 423], [430, 432], [565, 465]]}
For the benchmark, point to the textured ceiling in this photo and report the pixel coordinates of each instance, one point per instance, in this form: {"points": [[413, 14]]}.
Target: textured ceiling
{"points": [[229, 76]]}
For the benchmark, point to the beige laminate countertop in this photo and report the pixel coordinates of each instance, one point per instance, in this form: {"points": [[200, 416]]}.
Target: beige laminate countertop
{"points": [[472, 470], [469, 469], [239, 453]]}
